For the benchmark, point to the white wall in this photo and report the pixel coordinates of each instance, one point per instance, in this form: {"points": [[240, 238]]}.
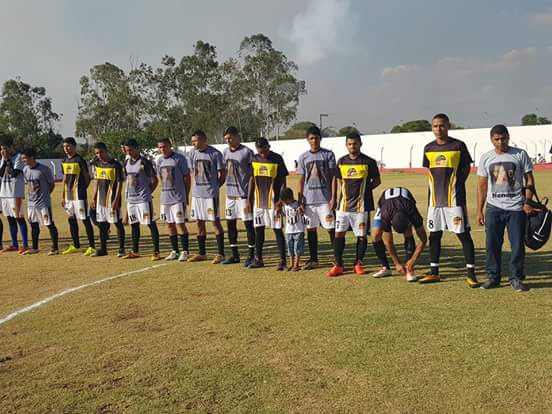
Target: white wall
{"points": [[398, 150]]}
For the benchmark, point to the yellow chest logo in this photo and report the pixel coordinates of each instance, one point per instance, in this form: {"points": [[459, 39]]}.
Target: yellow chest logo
{"points": [[265, 169], [353, 172]]}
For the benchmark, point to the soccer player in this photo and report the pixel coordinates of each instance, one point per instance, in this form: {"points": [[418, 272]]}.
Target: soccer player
{"points": [[317, 192], [108, 189], [208, 176], [397, 210], [174, 175], [141, 182], [448, 161], [12, 194], [76, 179], [239, 170], [358, 175], [269, 178], [40, 184]]}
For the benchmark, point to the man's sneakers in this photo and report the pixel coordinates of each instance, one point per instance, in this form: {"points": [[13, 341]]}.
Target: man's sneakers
{"points": [[231, 260], [383, 272], [256, 264], [335, 271], [518, 285], [71, 250], [430, 279], [131, 255], [29, 251], [219, 258], [155, 257], [173, 255], [310, 265], [9, 249], [197, 258], [281, 266], [183, 257], [490, 284], [248, 262], [53, 252], [472, 282], [359, 269], [89, 252], [23, 250], [121, 254], [99, 253], [411, 277]]}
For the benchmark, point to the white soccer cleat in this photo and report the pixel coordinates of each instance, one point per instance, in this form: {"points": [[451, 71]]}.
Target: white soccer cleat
{"points": [[172, 256], [183, 257], [383, 272], [411, 277]]}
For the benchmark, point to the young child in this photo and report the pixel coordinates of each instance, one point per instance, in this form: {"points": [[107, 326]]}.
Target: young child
{"points": [[295, 229]]}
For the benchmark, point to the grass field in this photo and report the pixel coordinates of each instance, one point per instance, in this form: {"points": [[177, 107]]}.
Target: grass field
{"points": [[210, 339]]}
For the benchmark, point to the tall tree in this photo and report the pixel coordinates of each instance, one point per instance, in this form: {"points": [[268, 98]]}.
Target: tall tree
{"points": [[299, 130], [347, 130], [418, 125], [530, 119]]}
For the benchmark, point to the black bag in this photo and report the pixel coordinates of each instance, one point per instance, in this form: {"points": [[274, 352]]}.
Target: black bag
{"points": [[537, 230]]}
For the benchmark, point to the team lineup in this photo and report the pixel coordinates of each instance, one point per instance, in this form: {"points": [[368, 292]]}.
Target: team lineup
{"points": [[333, 194]]}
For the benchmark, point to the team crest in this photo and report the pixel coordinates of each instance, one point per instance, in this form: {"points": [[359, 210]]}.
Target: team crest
{"points": [[103, 174], [81, 211], [362, 226], [46, 217], [329, 218], [210, 211], [179, 214], [146, 216], [457, 221], [441, 161], [263, 170], [352, 172]]}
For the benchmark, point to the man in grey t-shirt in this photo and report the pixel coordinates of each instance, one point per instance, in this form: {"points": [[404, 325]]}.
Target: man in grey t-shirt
{"points": [[174, 176], [317, 191], [208, 175], [505, 183], [40, 184], [238, 160]]}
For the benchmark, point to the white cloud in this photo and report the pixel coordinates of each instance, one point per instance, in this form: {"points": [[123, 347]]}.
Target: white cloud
{"points": [[542, 18], [321, 30], [391, 71], [517, 54]]}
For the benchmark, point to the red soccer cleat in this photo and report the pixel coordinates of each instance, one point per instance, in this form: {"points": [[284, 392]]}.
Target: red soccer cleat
{"points": [[359, 269], [335, 271]]}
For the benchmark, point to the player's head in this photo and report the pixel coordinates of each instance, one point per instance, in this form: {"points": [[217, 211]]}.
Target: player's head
{"points": [[500, 137], [69, 146], [353, 142], [286, 195], [132, 148], [314, 137], [440, 125], [164, 145], [122, 147], [232, 137], [400, 222], [262, 146], [7, 145], [199, 140], [100, 151], [28, 155]]}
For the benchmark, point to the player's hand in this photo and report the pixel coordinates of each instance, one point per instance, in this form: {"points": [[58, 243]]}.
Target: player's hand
{"points": [[247, 205], [333, 204], [530, 211], [410, 265], [125, 220], [481, 219], [93, 204], [301, 209], [4, 154], [62, 203], [115, 205], [399, 267]]}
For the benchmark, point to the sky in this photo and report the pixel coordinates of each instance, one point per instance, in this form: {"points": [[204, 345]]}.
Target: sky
{"points": [[368, 63]]}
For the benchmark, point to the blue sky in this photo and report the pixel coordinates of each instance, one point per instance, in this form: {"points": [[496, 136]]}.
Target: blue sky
{"points": [[372, 63]]}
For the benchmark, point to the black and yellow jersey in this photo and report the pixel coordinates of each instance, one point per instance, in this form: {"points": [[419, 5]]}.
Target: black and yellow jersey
{"points": [[356, 177], [109, 175], [447, 164], [268, 176], [77, 177]]}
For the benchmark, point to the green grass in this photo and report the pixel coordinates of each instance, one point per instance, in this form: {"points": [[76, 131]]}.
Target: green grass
{"points": [[206, 339]]}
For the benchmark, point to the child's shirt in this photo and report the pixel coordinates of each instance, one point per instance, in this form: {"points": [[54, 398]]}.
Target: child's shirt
{"points": [[295, 222]]}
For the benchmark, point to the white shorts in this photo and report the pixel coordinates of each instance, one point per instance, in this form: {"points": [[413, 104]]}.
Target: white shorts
{"points": [[173, 213], [40, 215], [76, 208], [236, 208], [107, 214], [140, 213], [7, 207], [266, 217], [453, 219], [359, 222], [319, 214], [204, 209]]}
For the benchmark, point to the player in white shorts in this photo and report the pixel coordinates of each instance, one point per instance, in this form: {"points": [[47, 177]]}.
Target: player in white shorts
{"points": [[317, 192], [174, 176]]}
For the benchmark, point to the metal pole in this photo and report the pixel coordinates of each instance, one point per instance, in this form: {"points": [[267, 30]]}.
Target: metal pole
{"points": [[410, 161]]}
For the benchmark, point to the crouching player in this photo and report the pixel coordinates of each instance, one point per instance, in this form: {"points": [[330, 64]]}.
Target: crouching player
{"points": [[397, 210], [40, 184]]}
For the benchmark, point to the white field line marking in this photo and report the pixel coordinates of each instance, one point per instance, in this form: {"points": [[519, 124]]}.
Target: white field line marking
{"points": [[74, 289]]}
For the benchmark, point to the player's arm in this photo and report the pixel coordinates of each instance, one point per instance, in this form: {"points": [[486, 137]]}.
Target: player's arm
{"points": [[482, 186], [85, 173], [95, 195], [375, 174], [387, 238], [221, 176], [118, 195], [376, 181], [422, 235], [300, 197], [251, 190], [530, 192], [333, 199]]}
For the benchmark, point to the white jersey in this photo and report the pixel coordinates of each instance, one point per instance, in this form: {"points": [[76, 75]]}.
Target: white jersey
{"points": [[295, 222]]}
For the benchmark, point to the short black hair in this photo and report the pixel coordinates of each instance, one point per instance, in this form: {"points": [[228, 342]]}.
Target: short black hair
{"points": [[499, 130], [231, 130], [122, 143], [100, 145], [442, 116], [353, 135], [313, 130], [400, 222], [286, 194], [29, 152], [199, 133], [6, 140], [261, 142], [164, 141], [132, 143], [70, 141]]}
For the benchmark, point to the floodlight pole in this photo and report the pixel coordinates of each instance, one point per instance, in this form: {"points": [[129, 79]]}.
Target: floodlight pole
{"points": [[322, 116]]}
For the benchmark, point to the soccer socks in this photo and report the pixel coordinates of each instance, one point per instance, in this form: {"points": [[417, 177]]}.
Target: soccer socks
{"points": [[409, 247], [74, 229], [1, 232], [154, 236], [90, 232], [23, 230], [121, 235], [12, 223], [339, 248], [379, 249], [185, 242], [259, 241], [435, 251], [469, 252], [312, 237], [54, 236], [233, 237], [104, 227], [174, 242], [250, 237], [220, 243], [35, 233], [201, 244], [135, 227], [361, 246], [331, 233], [280, 241]]}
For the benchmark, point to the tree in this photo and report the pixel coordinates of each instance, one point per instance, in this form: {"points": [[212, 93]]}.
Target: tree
{"points": [[329, 131], [347, 130], [544, 121], [412, 126], [534, 119], [26, 112], [299, 130]]}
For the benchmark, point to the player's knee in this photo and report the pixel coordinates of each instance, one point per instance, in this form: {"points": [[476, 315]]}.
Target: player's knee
{"points": [[435, 236]]}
